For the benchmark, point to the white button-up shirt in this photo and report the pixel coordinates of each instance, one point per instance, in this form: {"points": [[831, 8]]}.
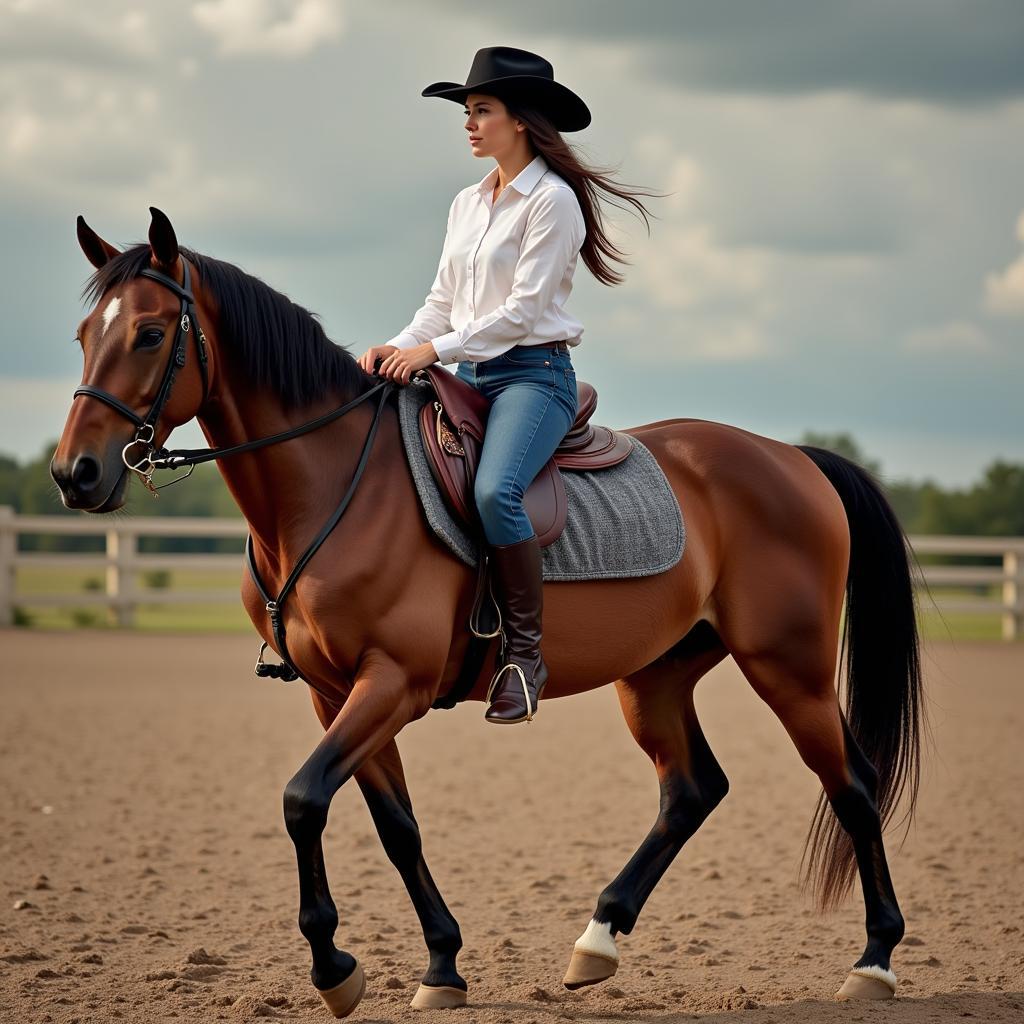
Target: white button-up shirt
{"points": [[505, 270]]}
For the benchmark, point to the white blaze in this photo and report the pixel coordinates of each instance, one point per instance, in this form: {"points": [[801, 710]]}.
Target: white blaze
{"points": [[113, 308]]}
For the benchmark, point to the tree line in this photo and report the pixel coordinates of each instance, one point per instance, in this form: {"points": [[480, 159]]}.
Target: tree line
{"points": [[992, 506]]}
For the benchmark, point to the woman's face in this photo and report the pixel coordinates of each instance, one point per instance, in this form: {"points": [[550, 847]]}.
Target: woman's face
{"points": [[492, 130]]}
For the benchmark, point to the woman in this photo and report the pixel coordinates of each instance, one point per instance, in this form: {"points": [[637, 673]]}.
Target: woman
{"points": [[496, 308]]}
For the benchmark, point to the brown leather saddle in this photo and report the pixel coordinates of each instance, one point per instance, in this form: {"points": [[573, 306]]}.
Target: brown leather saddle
{"points": [[452, 428]]}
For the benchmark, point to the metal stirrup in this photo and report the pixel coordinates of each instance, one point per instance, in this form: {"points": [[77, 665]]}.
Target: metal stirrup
{"points": [[522, 678]]}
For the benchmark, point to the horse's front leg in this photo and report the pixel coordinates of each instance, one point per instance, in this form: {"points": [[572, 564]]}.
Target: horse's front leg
{"points": [[382, 782], [379, 705]]}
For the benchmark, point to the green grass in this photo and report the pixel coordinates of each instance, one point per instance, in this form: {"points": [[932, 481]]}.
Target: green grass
{"points": [[959, 626], [936, 625], [62, 580], [231, 618], [219, 617], [212, 618]]}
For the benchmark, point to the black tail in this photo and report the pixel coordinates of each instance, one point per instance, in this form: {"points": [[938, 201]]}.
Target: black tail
{"points": [[884, 705]]}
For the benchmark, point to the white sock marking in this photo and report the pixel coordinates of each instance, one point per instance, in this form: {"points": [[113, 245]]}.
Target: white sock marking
{"points": [[877, 972], [598, 940]]}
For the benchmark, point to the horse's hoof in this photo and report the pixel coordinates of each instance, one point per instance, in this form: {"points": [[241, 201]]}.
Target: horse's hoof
{"points": [[438, 997], [868, 983], [344, 998], [588, 969]]}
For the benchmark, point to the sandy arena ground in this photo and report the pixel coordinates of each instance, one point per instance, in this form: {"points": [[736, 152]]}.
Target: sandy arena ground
{"points": [[141, 821]]}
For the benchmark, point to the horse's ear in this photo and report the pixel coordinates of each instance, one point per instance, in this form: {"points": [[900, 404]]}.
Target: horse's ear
{"points": [[97, 251], [162, 241]]}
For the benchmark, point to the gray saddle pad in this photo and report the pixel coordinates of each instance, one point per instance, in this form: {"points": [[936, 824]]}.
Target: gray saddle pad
{"points": [[621, 521]]}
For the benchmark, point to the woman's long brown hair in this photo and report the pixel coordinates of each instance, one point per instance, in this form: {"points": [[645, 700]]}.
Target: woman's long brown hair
{"points": [[597, 250]]}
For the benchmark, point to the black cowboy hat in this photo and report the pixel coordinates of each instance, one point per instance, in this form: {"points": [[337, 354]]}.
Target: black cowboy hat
{"points": [[506, 72]]}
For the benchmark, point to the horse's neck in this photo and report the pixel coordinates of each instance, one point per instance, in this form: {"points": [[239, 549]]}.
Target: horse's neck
{"points": [[285, 490]]}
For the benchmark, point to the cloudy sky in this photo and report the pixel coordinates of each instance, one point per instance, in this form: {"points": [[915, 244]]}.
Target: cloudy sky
{"points": [[843, 248]]}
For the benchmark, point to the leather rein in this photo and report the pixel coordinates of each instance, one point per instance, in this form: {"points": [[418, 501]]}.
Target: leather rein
{"points": [[153, 458]]}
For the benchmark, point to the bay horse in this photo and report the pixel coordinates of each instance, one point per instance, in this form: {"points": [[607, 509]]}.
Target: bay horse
{"points": [[778, 536]]}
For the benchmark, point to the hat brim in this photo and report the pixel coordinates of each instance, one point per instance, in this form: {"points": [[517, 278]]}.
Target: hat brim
{"points": [[567, 111]]}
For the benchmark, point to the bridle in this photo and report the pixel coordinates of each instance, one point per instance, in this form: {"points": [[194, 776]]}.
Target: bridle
{"points": [[145, 426], [153, 458]]}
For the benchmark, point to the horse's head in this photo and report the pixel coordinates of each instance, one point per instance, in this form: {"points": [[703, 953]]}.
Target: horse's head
{"points": [[145, 367]]}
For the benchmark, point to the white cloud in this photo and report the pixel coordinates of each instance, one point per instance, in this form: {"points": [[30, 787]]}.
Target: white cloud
{"points": [[100, 34], [85, 144], [711, 300], [174, 187], [82, 135], [659, 338], [686, 268], [958, 337], [734, 340], [683, 265], [683, 177], [1004, 292], [243, 27], [136, 33], [23, 132]]}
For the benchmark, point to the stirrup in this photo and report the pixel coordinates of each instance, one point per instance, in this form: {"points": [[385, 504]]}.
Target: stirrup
{"points": [[530, 708]]}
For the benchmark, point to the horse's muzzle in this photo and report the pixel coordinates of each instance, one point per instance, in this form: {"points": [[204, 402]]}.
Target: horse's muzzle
{"points": [[85, 485]]}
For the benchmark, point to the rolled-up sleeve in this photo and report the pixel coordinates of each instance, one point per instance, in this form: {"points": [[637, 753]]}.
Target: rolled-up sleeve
{"points": [[554, 234], [434, 317]]}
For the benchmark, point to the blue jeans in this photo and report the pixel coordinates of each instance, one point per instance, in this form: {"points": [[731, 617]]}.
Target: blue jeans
{"points": [[533, 405]]}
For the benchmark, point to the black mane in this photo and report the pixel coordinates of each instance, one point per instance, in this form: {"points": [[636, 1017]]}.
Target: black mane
{"points": [[281, 344]]}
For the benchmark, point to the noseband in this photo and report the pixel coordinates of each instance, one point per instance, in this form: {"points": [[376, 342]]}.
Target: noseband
{"points": [[146, 425], [153, 459]]}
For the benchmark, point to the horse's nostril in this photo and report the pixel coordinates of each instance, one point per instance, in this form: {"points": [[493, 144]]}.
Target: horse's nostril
{"points": [[86, 473]]}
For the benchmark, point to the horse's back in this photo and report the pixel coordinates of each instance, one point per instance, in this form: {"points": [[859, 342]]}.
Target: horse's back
{"points": [[723, 463], [744, 494]]}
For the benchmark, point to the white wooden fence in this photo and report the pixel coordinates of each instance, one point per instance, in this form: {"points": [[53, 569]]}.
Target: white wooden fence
{"points": [[122, 562], [1008, 577]]}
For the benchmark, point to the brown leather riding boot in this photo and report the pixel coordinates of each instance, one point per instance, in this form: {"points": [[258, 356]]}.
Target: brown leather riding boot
{"points": [[516, 686]]}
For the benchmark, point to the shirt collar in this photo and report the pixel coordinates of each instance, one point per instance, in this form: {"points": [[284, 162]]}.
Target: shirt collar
{"points": [[523, 182]]}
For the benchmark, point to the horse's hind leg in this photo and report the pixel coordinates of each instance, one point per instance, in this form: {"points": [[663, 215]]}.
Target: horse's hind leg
{"points": [[382, 782], [856, 808], [800, 690], [658, 704]]}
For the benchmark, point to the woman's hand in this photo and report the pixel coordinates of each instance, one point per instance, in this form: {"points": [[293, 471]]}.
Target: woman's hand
{"points": [[369, 357], [401, 364]]}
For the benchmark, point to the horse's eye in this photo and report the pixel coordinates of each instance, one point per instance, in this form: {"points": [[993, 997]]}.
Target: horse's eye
{"points": [[150, 338]]}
